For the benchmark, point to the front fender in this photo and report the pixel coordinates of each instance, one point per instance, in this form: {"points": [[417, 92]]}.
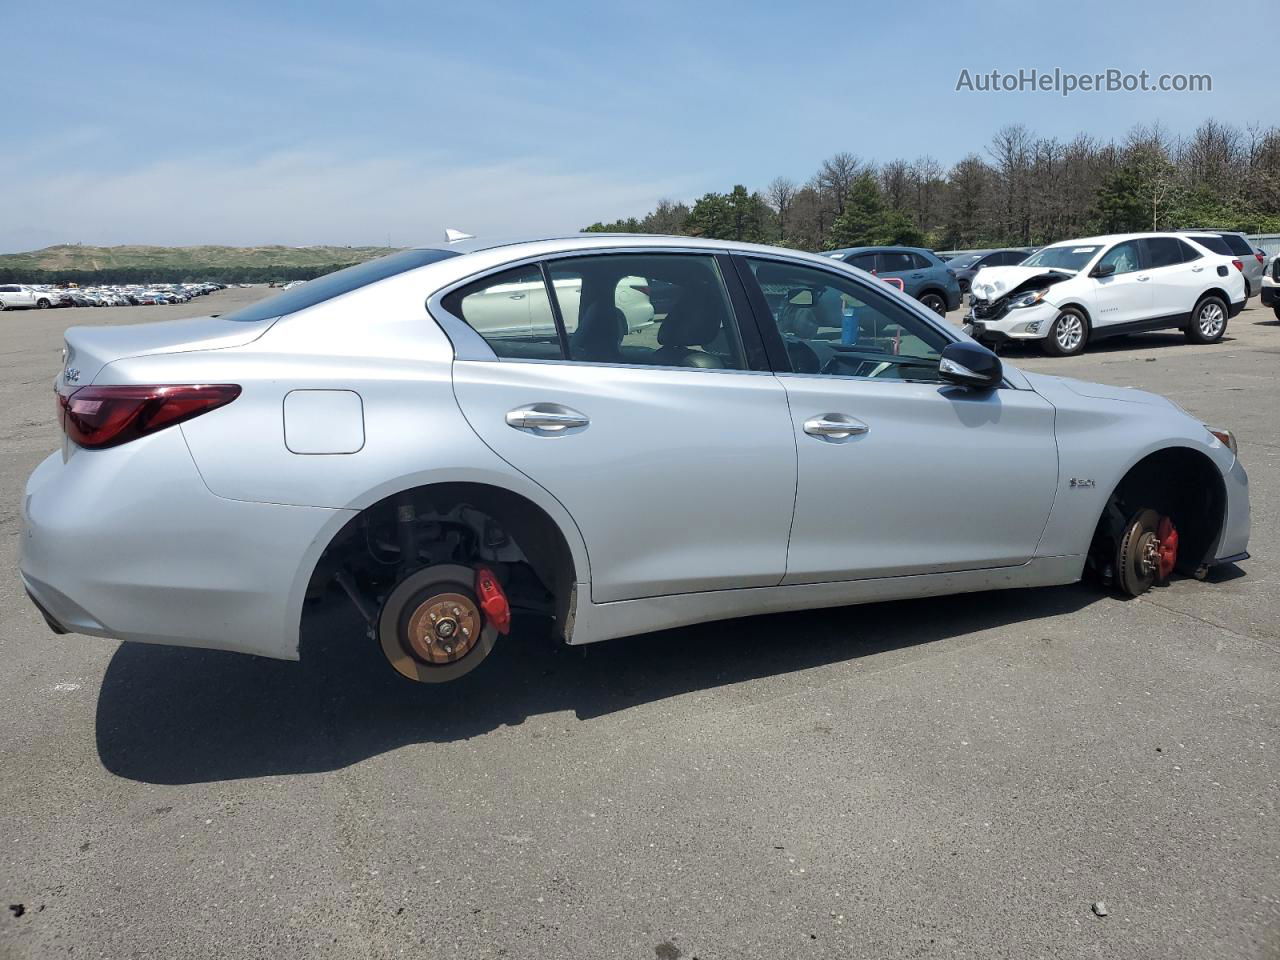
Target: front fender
{"points": [[1100, 439]]}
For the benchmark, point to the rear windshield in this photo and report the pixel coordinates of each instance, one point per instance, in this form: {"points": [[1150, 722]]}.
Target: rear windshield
{"points": [[337, 283], [1215, 243]]}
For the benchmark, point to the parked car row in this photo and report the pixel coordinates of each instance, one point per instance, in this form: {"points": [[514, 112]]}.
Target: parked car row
{"points": [[923, 273], [14, 296], [1067, 294]]}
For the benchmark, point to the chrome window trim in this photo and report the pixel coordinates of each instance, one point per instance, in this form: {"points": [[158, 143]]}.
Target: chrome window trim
{"points": [[632, 366], [469, 345]]}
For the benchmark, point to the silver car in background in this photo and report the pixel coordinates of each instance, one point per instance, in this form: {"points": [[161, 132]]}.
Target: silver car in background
{"points": [[455, 438], [1252, 261]]}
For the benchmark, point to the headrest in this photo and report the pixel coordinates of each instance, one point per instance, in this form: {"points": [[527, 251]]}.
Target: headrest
{"points": [[693, 322]]}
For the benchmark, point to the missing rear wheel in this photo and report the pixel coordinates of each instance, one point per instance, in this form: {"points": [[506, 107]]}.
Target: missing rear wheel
{"points": [[431, 627]]}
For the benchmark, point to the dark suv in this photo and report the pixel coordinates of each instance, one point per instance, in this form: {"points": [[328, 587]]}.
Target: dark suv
{"points": [[923, 275], [965, 265]]}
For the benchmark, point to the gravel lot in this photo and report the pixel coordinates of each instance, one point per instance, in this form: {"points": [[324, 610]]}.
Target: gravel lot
{"points": [[961, 777]]}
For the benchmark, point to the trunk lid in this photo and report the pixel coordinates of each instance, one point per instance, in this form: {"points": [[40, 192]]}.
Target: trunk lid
{"points": [[88, 349]]}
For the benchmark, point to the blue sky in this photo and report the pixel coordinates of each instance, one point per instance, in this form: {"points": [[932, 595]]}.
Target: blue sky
{"points": [[361, 123]]}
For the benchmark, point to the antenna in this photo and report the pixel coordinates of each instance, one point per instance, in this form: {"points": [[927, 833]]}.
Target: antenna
{"points": [[453, 236]]}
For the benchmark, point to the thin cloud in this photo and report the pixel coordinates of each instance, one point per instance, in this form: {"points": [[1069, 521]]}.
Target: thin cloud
{"points": [[314, 197]]}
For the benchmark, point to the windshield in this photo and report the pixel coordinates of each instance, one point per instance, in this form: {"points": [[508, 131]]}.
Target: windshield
{"points": [[1066, 256], [337, 283], [964, 260]]}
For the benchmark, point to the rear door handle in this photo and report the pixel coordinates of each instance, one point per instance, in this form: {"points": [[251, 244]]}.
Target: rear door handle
{"points": [[546, 418], [1143, 279], [835, 426], [1196, 269]]}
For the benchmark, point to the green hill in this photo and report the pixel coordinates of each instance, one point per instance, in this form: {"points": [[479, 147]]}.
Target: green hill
{"points": [[73, 261]]}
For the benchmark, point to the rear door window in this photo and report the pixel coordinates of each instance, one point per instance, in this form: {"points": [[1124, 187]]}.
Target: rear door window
{"points": [[659, 309], [896, 262], [1166, 252]]}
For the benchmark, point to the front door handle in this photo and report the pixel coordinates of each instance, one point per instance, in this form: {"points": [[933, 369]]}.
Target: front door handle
{"points": [[1196, 269], [546, 418], [1143, 279], [834, 426]]}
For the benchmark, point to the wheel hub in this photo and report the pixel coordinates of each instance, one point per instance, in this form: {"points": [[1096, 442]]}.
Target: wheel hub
{"points": [[1149, 552], [443, 628]]}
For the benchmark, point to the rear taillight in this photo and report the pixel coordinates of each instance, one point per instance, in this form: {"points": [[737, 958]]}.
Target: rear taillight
{"points": [[97, 417], [1238, 264], [1260, 258]]}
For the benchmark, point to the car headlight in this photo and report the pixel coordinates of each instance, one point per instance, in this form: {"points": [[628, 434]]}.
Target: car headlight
{"points": [[1226, 437], [1029, 299]]}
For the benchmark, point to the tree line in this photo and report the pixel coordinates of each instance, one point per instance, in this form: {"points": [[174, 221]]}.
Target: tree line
{"points": [[1020, 190]]}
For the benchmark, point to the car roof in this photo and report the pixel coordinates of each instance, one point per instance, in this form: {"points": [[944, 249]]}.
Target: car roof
{"points": [[884, 248], [515, 248], [1115, 238]]}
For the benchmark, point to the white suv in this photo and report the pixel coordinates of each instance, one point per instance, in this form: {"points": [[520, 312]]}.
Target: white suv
{"points": [[1070, 293], [1271, 286], [20, 295]]}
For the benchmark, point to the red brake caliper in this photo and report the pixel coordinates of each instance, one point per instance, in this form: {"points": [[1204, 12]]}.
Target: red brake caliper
{"points": [[1168, 537], [494, 602]]}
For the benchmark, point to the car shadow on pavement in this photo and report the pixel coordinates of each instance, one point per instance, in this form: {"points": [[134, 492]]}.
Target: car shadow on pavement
{"points": [[1115, 344], [174, 715]]}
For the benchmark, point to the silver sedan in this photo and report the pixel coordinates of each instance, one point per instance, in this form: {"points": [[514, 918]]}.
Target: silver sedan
{"points": [[455, 439]]}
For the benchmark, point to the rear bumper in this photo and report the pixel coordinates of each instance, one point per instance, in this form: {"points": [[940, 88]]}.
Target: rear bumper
{"points": [[129, 543], [1270, 296], [1234, 308]]}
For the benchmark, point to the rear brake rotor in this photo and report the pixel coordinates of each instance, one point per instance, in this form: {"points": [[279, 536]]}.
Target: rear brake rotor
{"points": [[431, 628], [443, 628]]}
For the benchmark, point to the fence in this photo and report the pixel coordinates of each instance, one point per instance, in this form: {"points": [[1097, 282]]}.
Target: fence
{"points": [[1269, 243]]}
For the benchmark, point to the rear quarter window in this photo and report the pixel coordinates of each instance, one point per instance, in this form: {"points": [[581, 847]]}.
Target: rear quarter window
{"points": [[1216, 244], [1239, 245]]}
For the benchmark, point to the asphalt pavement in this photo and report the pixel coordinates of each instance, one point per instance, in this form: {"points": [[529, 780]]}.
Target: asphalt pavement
{"points": [[959, 777]]}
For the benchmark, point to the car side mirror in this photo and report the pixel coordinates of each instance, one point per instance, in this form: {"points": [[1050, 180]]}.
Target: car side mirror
{"points": [[970, 365], [1103, 270]]}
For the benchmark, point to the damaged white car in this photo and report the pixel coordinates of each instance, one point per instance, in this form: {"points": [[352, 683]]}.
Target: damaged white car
{"points": [[1072, 293]]}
